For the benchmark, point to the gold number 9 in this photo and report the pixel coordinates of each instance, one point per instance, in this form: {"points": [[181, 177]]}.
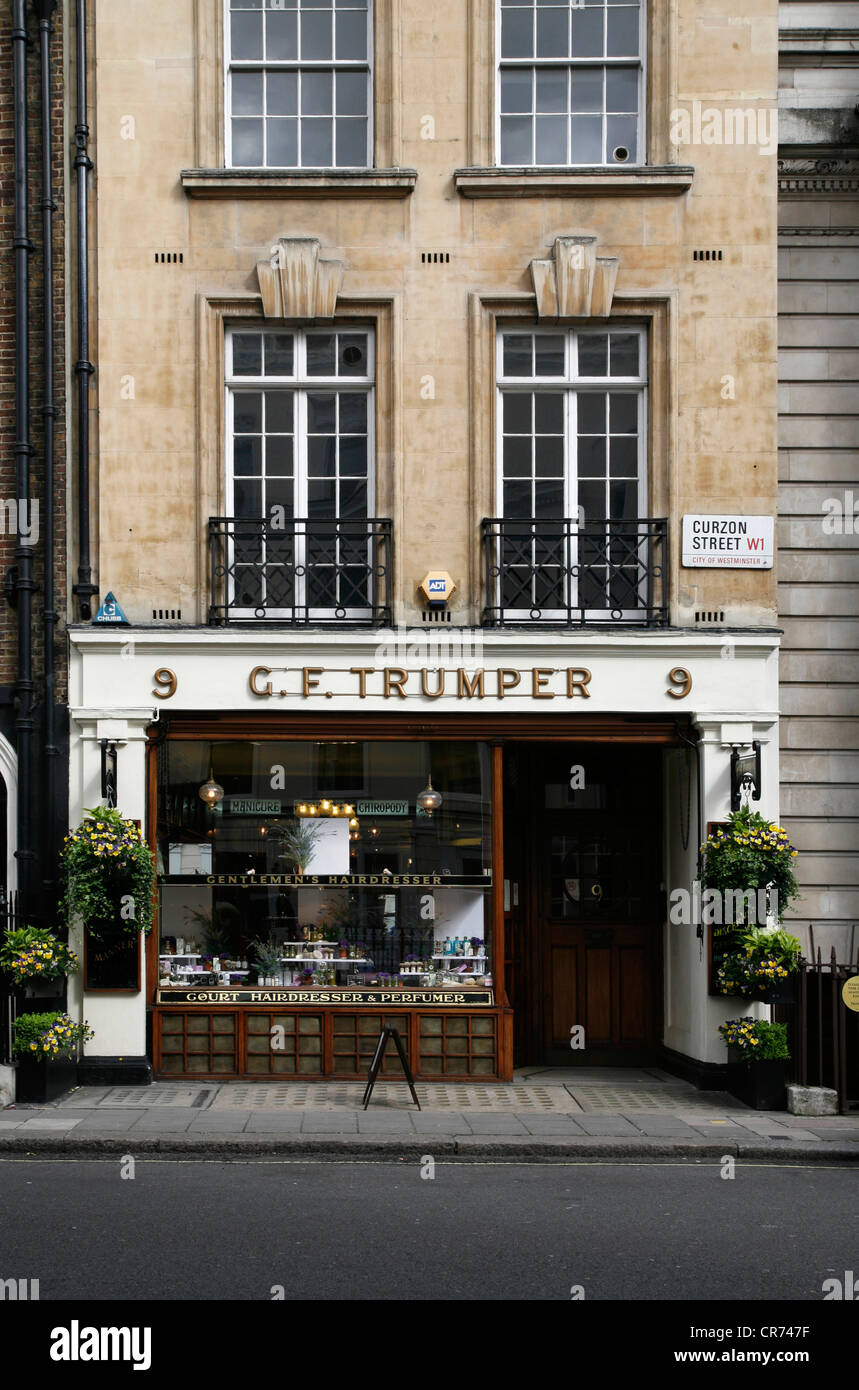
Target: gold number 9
{"points": [[168, 683], [596, 890], [682, 679]]}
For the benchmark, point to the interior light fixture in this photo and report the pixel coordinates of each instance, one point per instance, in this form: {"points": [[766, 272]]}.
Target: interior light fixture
{"points": [[211, 792], [429, 799]]}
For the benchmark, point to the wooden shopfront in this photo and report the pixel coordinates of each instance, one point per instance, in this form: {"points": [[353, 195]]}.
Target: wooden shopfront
{"points": [[449, 921]]}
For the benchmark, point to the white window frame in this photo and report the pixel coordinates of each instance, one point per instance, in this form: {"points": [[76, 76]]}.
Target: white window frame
{"points": [[572, 386], [573, 63], [300, 384], [332, 65]]}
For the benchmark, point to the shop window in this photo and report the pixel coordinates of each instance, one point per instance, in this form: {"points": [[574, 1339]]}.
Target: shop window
{"points": [[570, 82], [572, 472], [299, 83], [319, 869]]}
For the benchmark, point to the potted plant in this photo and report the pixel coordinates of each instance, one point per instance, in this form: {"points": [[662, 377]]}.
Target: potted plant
{"points": [[267, 958], [751, 853], [35, 960], [46, 1046], [298, 840], [109, 874], [757, 1055]]}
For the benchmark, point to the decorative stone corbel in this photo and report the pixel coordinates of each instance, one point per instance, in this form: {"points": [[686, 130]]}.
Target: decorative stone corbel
{"points": [[576, 282], [296, 284]]}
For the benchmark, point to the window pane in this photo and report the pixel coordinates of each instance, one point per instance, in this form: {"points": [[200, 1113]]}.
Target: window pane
{"points": [[592, 500], [279, 349], [621, 133], [591, 456], [281, 35], [322, 499], [353, 456], [553, 40], [517, 33], [621, 87], [316, 39], [281, 142], [517, 462], [593, 354], [517, 499], [317, 142], [247, 93], [517, 354], [320, 354], [587, 33], [549, 355], [351, 28], [587, 90], [624, 354], [549, 457], [320, 413], [247, 457], [351, 148], [549, 499], [282, 93], [624, 456], [353, 414], [317, 93], [515, 140], [247, 412], [548, 413], [278, 456], [624, 500], [352, 94], [592, 412], [623, 413], [246, 35], [352, 354], [321, 456], [551, 145], [552, 89], [279, 492], [353, 499], [247, 143], [516, 89], [622, 31], [247, 497], [278, 412], [587, 140], [517, 413], [247, 354]]}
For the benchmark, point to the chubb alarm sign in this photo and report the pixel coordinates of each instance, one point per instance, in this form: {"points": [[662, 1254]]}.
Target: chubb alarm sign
{"points": [[728, 542]]}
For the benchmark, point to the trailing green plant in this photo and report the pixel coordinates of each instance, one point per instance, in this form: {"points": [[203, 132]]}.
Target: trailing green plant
{"points": [[109, 874], [751, 852], [756, 1040], [34, 953], [298, 839], [42, 1036]]}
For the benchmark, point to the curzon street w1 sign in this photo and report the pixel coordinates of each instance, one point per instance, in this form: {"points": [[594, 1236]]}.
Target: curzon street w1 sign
{"points": [[728, 542]]}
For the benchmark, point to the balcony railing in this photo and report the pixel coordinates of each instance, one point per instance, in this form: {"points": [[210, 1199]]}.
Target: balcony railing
{"points": [[300, 571], [572, 574]]}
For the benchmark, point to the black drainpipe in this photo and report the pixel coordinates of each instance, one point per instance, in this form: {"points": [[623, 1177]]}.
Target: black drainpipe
{"points": [[24, 585], [44, 10], [85, 589]]}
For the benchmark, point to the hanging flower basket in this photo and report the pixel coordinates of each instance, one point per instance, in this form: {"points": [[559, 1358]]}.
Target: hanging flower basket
{"points": [[109, 874]]}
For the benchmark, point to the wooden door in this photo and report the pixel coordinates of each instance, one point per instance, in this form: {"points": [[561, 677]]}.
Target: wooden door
{"points": [[596, 894]]}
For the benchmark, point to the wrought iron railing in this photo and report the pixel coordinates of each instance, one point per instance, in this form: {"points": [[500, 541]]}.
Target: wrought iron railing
{"points": [[300, 571], [573, 573]]}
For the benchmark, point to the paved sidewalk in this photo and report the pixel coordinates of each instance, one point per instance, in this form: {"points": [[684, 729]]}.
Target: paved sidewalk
{"points": [[594, 1113]]}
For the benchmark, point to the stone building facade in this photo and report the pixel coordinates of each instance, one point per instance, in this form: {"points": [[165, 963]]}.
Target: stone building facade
{"points": [[419, 333], [819, 478]]}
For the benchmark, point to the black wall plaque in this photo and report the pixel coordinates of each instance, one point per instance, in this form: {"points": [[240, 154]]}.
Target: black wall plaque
{"points": [[112, 959]]}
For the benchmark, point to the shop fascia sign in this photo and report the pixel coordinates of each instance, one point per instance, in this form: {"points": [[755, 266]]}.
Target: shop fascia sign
{"points": [[728, 542], [429, 683]]}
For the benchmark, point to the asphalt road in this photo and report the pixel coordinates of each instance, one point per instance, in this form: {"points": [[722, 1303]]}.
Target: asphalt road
{"points": [[350, 1230]]}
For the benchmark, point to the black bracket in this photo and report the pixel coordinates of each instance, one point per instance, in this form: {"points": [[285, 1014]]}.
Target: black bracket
{"points": [[108, 772], [745, 766]]}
